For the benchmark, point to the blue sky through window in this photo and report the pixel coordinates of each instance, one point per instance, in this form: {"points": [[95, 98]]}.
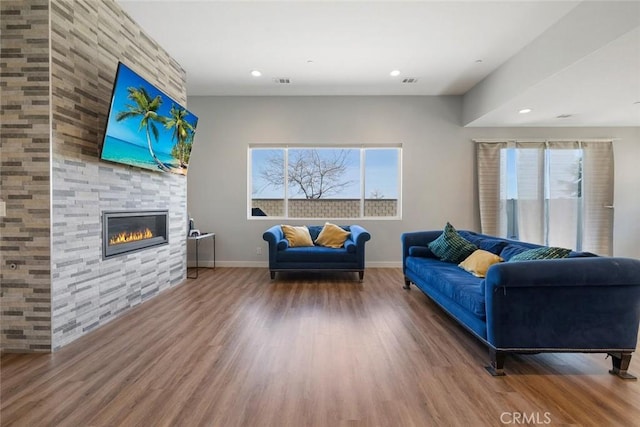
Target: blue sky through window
{"points": [[381, 172]]}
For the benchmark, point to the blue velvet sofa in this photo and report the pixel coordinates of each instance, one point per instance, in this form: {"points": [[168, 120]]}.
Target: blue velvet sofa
{"points": [[582, 303], [348, 258]]}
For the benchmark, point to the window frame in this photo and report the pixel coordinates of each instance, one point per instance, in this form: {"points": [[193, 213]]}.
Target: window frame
{"points": [[362, 154]]}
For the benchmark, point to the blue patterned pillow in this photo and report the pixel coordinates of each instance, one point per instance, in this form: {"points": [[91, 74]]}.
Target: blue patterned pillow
{"points": [[541, 253], [451, 246]]}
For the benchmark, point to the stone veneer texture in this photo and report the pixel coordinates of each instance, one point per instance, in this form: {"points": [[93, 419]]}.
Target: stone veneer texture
{"points": [[87, 39], [25, 291]]}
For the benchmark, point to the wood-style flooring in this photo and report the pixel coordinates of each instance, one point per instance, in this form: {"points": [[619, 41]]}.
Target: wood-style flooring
{"points": [[233, 348]]}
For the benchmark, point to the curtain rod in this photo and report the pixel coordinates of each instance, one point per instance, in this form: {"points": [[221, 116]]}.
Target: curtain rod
{"points": [[537, 140]]}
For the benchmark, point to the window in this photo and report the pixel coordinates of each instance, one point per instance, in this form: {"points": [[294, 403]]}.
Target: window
{"points": [[544, 190], [324, 182], [556, 193]]}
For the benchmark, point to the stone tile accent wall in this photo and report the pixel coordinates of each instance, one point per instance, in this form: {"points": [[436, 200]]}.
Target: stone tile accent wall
{"points": [[76, 290], [327, 208], [25, 267], [88, 37]]}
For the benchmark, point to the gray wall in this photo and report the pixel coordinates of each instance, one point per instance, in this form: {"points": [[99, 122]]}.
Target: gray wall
{"points": [[438, 165]]}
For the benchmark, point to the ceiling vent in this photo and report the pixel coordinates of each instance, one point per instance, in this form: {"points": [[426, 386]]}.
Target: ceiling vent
{"points": [[410, 80], [282, 80]]}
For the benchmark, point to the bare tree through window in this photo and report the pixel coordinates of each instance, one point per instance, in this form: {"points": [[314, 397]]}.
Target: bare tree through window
{"points": [[311, 174], [324, 182]]}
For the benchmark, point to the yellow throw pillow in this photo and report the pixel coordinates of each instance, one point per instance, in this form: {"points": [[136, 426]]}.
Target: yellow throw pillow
{"points": [[479, 262], [332, 236], [297, 236]]}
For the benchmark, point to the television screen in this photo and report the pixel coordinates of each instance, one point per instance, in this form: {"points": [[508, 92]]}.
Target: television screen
{"points": [[145, 127]]}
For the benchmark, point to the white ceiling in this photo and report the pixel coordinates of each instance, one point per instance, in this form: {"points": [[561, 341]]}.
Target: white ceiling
{"points": [[354, 46]]}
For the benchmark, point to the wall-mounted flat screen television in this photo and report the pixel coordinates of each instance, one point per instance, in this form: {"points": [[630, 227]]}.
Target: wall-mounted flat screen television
{"points": [[145, 127]]}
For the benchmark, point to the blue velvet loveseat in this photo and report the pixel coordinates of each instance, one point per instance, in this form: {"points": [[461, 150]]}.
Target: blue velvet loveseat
{"points": [[581, 303], [350, 257]]}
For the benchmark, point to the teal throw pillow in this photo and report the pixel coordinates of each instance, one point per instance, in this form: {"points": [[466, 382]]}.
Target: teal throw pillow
{"points": [[541, 253], [451, 246]]}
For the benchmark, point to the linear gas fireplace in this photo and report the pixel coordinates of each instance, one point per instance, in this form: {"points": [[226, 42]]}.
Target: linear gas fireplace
{"points": [[130, 231]]}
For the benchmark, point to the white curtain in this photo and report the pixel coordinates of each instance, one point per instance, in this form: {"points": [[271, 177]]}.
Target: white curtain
{"points": [[597, 193], [561, 192], [492, 192], [530, 191]]}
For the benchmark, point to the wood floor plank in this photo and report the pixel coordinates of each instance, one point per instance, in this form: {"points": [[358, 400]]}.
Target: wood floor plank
{"points": [[234, 348]]}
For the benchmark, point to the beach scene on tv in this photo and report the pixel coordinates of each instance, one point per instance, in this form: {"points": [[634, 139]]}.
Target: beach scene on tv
{"points": [[146, 128]]}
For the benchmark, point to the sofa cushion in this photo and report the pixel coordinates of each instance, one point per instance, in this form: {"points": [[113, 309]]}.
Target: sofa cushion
{"points": [[297, 236], [314, 231], [479, 262], [574, 254], [449, 279], [450, 246], [511, 250], [487, 243], [332, 236], [541, 253], [421, 251], [315, 254]]}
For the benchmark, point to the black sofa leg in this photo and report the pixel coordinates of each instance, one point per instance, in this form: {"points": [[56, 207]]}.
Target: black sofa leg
{"points": [[496, 368], [407, 284], [361, 275], [621, 364], [272, 274]]}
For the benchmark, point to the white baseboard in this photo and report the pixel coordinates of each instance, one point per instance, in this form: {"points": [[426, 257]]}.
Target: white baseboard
{"points": [[248, 264], [265, 264], [383, 264]]}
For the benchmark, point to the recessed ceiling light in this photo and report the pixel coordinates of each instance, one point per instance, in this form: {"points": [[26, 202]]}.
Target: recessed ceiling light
{"points": [[256, 73], [564, 116], [478, 61], [525, 111], [394, 73], [636, 103], [309, 61]]}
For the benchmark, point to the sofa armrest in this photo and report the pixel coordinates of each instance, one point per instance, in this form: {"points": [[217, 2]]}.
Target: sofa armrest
{"points": [[416, 238], [578, 303], [273, 236], [359, 235], [595, 271]]}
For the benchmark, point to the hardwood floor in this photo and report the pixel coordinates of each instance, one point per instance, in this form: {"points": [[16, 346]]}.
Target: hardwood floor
{"points": [[233, 348]]}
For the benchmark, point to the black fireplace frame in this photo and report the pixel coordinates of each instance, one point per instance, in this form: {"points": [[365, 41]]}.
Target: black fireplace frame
{"points": [[109, 252]]}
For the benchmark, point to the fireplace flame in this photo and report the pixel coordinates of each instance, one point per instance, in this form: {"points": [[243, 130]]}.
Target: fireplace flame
{"points": [[125, 237]]}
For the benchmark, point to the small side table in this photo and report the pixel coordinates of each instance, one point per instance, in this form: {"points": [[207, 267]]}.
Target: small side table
{"points": [[197, 240]]}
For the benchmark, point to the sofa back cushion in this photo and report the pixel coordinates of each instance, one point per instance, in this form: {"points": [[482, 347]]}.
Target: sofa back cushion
{"points": [[314, 230], [486, 243], [421, 251], [511, 250]]}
